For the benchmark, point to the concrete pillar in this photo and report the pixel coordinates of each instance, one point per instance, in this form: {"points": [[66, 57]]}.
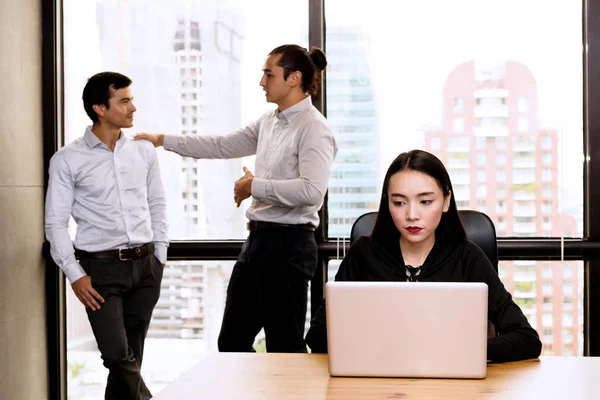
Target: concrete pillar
{"points": [[23, 371]]}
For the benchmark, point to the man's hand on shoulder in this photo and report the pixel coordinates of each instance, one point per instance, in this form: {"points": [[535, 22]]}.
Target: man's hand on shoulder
{"points": [[156, 139], [86, 294]]}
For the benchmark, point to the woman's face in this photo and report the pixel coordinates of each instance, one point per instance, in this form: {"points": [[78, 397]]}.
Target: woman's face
{"points": [[416, 204]]}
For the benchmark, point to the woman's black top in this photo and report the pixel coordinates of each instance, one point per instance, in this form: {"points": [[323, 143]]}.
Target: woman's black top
{"points": [[463, 261]]}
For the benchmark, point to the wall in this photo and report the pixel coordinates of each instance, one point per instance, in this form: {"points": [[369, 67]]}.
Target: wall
{"points": [[23, 374]]}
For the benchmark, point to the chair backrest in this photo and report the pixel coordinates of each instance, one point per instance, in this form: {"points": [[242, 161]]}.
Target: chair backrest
{"points": [[479, 227]]}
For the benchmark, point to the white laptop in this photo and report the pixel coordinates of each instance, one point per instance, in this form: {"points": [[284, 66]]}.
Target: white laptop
{"points": [[407, 329]]}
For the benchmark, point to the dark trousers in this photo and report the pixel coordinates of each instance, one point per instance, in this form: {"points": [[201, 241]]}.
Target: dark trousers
{"points": [[130, 290], [268, 288]]}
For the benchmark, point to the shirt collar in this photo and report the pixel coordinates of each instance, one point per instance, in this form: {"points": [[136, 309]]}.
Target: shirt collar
{"points": [[92, 140], [291, 113]]}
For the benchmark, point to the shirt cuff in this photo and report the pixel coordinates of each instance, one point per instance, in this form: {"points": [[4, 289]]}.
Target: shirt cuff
{"points": [[160, 251], [259, 188], [74, 271], [169, 142]]}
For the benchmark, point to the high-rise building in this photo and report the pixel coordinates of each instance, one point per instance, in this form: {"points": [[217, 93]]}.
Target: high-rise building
{"points": [[503, 163], [351, 115], [205, 46]]}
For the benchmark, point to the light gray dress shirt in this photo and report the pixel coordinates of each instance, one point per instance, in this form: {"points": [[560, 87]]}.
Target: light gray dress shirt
{"points": [[294, 153], [116, 199]]}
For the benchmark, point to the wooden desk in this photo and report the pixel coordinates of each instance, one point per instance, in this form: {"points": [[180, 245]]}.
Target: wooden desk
{"points": [[305, 376]]}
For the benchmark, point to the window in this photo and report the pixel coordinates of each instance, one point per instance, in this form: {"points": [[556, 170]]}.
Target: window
{"points": [[470, 96], [501, 190], [481, 175], [458, 105], [481, 191], [370, 133], [547, 206], [567, 271], [500, 143], [567, 335], [500, 158], [523, 125], [458, 125], [568, 288], [547, 190], [522, 105], [547, 319], [436, 143], [567, 320], [546, 174], [481, 159], [501, 207], [500, 225], [501, 174], [481, 206], [547, 157], [567, 349], [546, 142], [462, 204], [481, 143], [459, 142], [164, 65]]}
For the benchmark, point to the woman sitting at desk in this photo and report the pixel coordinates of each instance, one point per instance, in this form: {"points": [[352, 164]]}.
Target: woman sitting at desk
{"points": [[418, 236]]}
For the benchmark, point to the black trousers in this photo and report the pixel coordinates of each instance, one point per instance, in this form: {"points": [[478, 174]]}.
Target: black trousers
{"points": [[268, 288], [130, 290]]}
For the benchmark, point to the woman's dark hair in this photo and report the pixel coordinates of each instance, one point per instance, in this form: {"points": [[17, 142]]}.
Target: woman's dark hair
{"points": [[295, 58], [450, 226], [97, 90]]}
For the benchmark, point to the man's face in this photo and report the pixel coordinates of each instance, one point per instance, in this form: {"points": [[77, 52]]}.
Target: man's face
{"points": [[120, 112], [275, 86]]}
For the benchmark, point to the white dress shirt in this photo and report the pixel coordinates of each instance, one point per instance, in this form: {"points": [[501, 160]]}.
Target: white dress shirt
{"points": [[116, 199], [294, 153]]}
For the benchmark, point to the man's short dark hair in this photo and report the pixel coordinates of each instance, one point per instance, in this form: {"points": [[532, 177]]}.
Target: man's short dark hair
{"points": [[97, 90]]}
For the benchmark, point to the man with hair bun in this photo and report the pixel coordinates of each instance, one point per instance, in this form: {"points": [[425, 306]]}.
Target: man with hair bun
{"points": [[294, 151]]}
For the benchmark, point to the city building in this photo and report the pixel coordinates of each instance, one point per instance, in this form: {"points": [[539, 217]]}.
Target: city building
{"points": [[504, 163], [354, 186]]}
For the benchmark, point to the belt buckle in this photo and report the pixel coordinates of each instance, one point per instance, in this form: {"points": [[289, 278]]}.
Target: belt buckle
{"points": [[121, 258]]}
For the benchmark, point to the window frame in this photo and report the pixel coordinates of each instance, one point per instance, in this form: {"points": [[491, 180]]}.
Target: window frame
{"points": [[586, 248]]}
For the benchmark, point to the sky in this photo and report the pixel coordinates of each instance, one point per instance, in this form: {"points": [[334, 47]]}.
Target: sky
{"points": [[412, 47]]}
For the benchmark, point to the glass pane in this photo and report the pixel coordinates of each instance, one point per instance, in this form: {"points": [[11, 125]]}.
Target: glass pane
{"points": [[184, 329], [551, 301], [467, 87], [196, 67]]}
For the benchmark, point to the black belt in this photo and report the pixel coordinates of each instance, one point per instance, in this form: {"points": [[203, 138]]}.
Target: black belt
{"points": [[126, 254], [257, 225]]}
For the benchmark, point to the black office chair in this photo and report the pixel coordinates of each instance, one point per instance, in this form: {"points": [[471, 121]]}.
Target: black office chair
{"points": [[479, 227], [480, 230]]}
